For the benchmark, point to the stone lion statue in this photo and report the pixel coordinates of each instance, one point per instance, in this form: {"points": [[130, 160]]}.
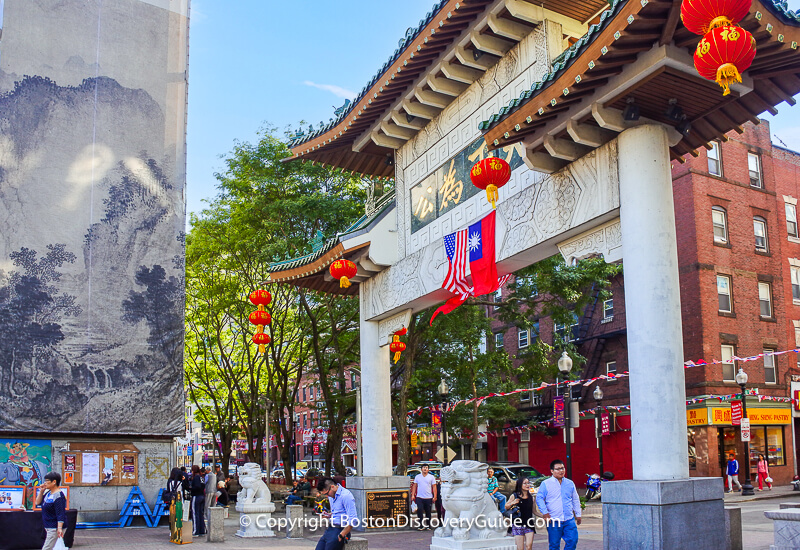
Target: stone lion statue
{"points": [[470, 513], [254, 490]]}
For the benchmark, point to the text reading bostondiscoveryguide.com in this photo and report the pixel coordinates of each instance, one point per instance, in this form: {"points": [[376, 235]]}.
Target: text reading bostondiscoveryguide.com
{"points": [[266, 521]]}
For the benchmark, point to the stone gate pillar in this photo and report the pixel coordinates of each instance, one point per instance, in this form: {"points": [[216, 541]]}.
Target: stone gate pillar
{"points": [[376, 430], [661, 508], [652, 306]]}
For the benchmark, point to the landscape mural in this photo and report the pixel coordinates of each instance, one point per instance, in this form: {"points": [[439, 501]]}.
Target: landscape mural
{"points": [[92, 217]]}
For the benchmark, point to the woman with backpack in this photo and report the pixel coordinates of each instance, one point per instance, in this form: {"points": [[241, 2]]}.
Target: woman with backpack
{"points": [[521, 505]]}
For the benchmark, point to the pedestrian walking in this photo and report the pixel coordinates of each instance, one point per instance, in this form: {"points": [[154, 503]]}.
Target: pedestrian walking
{"points": [[763, 473], [54, 509], [198, 502], [733, 473], [558, 501], [423, 493], [342, 515], [523, 525], [494, 491]]}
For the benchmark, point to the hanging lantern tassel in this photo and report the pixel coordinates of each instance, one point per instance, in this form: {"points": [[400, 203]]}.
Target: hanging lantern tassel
{"points": [[490, 174], [724, 54], [344, 270]]}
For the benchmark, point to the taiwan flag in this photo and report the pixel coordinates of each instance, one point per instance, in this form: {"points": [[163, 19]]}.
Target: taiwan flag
{"points": [[473, 247], [480, 244]]}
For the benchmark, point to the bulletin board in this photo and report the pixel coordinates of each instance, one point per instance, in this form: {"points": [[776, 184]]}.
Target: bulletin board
{"points": [[87, 464]]}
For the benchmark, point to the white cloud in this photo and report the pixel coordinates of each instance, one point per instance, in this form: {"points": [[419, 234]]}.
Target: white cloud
{"points": [[338, 91]]}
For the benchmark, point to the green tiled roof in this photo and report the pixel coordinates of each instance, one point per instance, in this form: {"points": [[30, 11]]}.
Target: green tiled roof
{"points": [[781, 8], [559, 64], [342, 112], [383, 203]]}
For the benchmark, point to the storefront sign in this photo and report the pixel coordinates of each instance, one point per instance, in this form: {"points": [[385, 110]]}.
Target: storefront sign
{"points": [[796, 397], [745, 429], [757, 416], [558, 412], [414, 440], [736, 412], [605, 424], [697, 417], [386, 506], [316, 448]]}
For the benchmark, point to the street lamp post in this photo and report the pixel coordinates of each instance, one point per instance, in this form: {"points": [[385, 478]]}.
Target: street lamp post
{"points": [[747, 488], [598, 397], [294, 444], [564, 367], [443, 392]]}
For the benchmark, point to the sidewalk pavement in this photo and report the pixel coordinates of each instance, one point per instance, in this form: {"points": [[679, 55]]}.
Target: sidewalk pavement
{"points": [[590, 532], [782, 491]]}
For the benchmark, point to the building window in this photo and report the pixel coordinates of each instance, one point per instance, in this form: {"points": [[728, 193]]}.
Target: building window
{"points": [[728, 364], [791, 220], [522, 338], [760, 232], [502, 448], [535, 330], [768, 441], [561, 330], [765, 299], [724, 294], [714, 159], [304, 394], [611, 368], [754, 168], [719, 219], [795, 272], [498, 297], [608, 309], [305, 421], [498, 340], [536, 399], [770, 376]]}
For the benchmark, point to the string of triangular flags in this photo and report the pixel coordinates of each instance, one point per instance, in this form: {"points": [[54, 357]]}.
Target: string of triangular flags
{"points": [[589, 381]]}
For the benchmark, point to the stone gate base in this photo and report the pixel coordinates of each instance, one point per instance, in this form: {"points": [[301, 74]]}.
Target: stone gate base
{"points": [[664, 515], [448, 543]]}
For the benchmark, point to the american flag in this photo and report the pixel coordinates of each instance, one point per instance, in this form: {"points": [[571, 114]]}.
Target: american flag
{"points": [[455, 245]]}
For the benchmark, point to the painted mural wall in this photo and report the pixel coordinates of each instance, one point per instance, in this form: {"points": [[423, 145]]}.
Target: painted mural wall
{"points": [[92, 215]]}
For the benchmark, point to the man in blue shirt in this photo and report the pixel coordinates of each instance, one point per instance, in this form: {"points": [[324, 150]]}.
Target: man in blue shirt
{"points": [[342, 515], [558, 501]]}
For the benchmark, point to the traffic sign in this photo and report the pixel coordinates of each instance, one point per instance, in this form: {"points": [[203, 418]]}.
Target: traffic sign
{"points": [[745, 429]]}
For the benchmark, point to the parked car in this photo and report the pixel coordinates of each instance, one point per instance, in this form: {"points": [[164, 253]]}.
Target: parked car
{"points": [[507, 474], [350, 471]]}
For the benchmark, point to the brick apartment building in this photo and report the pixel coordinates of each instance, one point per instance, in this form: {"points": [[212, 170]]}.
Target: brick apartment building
{"points": [[739, 258]]}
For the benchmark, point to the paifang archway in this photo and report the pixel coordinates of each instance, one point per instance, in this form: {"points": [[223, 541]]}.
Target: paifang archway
{"points": [[545, 84]]}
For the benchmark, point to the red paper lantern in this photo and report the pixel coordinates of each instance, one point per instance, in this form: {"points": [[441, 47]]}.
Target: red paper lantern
{"points": [[260, 298], [724, 54], [701, 16], [402, 332], [490, 174], [262, 340], [343, 270], [397, 347], [260, 318]]}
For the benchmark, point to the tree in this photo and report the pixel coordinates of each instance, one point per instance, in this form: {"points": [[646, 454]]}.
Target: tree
{"points": [[266, 210]]}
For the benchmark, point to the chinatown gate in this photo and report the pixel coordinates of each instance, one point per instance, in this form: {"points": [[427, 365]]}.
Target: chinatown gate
{"points": [[580, 98]]}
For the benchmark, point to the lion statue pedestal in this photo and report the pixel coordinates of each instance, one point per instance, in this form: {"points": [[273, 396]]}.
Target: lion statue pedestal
{"points": [[254, 504], [472, 520]]}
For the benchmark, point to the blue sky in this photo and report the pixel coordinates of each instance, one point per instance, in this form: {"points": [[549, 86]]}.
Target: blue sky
{"points": [[256, 62]]}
